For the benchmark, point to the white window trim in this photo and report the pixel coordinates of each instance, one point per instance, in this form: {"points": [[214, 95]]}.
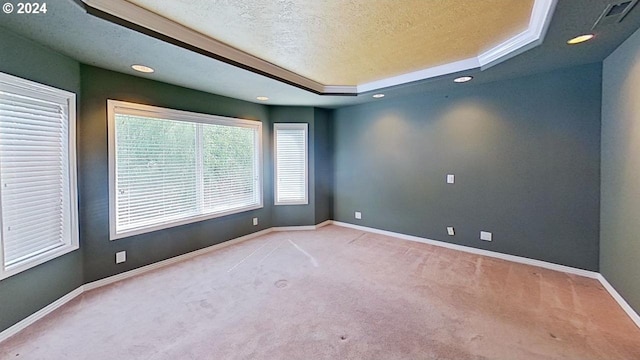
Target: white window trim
{"points": [[35, 89], [291, 126], [165, 113]]}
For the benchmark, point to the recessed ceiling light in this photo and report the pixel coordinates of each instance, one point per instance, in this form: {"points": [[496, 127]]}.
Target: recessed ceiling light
{"points": [[262, 98], [580, 39], [463, 79], [378, 96], [142, 68]]}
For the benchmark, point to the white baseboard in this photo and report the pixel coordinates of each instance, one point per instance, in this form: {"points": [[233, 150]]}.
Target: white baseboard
{"points": [[512, 258], [138, 271], [517, 259], [40, 314], [141, 270], [620, 300], [302, 228], [125, 275], [294, 228], [323, 224]]}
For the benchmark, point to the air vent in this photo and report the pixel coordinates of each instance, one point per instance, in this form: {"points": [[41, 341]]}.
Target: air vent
{"points": [[614, 13]]}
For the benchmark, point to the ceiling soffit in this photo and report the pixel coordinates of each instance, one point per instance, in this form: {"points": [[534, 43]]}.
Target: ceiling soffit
{"points": [[148, 22]]}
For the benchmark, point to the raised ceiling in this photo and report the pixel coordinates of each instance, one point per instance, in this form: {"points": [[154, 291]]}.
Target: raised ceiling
{"points": [[339, 47], [70, 29], [351, 42]]}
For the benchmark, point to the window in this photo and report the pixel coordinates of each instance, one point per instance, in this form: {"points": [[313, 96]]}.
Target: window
{"points": [[291, 164], [170, 167], [37, 174]]}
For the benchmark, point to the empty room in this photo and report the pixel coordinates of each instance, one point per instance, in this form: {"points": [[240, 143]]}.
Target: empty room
{"points": [[320, 179]]}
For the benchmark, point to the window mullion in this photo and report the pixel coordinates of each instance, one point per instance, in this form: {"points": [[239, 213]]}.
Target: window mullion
{"points": [[257, 170], [199, 168], [204, 175]]}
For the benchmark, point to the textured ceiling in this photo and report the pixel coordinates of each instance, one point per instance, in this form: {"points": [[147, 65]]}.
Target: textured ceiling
{"points": [[69, 29], [350, 42]]}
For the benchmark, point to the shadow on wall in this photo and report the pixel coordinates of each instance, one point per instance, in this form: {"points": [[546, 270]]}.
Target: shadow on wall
{"points": [[525, 154]]}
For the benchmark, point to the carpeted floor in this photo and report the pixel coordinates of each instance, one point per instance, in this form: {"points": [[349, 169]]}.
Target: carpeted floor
{"points": [[337, 293]]}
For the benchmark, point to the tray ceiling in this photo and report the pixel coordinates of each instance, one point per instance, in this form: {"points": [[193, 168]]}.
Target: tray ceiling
{"points": [[340, 47], [116, 42], [352, 42]]}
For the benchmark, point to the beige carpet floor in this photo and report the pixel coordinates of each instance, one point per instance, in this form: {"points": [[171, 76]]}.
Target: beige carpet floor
{"points": [[337, 293]]}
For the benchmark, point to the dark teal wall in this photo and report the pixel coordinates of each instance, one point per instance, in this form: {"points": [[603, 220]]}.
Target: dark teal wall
{"points": [[320, 170], [27, 292], [525, 153], [98, 85], [323, 189], [296, 215], [620, 210]]}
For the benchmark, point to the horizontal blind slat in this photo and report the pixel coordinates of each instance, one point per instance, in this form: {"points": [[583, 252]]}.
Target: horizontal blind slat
{"points": [[23, 242], [291, 164], [33, 174], [156, 175], [36, 250]]}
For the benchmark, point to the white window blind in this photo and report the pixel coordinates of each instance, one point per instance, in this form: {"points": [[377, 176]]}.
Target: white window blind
{"points": [[291, 164], [170, 167], [156, 171], [37, 173]]}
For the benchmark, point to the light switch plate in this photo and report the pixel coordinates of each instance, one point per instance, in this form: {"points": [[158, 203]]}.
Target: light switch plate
{"points": [[255, 221], [358, 215], [486, 236], [121, 257], [451, 178], [450, 231]]}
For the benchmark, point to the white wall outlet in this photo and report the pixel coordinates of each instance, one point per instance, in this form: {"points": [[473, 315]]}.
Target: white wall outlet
{"points": [[255, 221], [486, 236], [450, 231], [451, 178], [121, 257], [358, 215]]}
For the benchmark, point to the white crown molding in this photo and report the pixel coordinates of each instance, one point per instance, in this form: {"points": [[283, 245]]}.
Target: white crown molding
{"points": [[340, 89], [446, 69], [152, 21], [533, 36]]}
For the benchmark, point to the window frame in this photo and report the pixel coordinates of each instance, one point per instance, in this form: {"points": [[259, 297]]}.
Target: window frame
{"points": [[291, 126], [30, 88], [176, 115]]}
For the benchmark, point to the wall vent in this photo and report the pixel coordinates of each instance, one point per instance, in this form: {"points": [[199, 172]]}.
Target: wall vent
{"points": [[614, 13]]}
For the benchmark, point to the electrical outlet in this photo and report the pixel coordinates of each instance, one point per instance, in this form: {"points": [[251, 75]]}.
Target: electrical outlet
{"points": [[255, 221], [450, 231], [358, 215], [451, 178], [486, 236], [121, 257]]}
